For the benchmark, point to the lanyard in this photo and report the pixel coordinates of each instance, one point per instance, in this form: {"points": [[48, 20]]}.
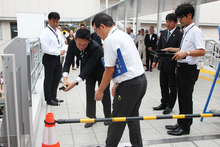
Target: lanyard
{"points": [[54, 34], [114, 30], [185, 36]]}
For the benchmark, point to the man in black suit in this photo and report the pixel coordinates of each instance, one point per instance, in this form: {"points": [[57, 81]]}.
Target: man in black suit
{"points": [[91, 69], [150, 42], [168, 38]]}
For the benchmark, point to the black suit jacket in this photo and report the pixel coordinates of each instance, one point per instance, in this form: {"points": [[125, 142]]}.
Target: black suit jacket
{"points": [[168, 64], [150, 43], [92, 59], [95, 37]]}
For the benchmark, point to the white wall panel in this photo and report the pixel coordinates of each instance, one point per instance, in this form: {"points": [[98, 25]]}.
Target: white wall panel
{"points": [[8, 8]]}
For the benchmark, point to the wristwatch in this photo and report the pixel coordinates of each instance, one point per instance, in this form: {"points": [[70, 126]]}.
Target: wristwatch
{"points": [[76, 82], [188, 53]]}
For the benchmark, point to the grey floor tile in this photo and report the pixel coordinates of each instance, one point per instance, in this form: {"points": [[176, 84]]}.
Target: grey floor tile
{"points": [[217, 141], [206, 143], [85, 139], [183, 144], [161, 145]]}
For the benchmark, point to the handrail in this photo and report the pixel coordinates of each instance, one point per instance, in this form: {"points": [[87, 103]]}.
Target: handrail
{"points": [[212, 56], [36, 55]]}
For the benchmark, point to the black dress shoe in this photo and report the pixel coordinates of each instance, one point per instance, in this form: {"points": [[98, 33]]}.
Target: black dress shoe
{"points": [[52, 103], [106, 123], [87, 125], [167, 110], [57, 100], [172, 127], [160, 107], [178, 132]]}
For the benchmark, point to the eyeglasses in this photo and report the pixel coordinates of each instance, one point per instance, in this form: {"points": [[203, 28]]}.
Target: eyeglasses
{"points": [[180, 18], [96, 29]]}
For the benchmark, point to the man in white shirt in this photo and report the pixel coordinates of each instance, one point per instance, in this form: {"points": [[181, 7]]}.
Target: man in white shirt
{"points": [[129, 88], [141, 46], [51, 43], [128, 29], [191, 47]]}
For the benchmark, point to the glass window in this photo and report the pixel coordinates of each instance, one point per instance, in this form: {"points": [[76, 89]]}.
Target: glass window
{"points": [[0, 31]]}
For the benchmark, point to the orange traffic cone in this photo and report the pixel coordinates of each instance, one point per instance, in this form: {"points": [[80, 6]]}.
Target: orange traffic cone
{"points": [[50, 136]]}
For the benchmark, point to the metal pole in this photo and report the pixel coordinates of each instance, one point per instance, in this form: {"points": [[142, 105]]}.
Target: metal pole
{"points": [[210, 93], [125, 16], [159, 15], [197, 12], [16, 102], [123, 119], [106, 4], [138, 15]]}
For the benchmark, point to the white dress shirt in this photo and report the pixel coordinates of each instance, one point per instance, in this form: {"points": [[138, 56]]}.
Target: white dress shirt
{"points": [[49, 42], [192, 39], [118, 39]]}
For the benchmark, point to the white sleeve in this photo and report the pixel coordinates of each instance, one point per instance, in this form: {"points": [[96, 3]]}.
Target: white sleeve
{"points": [[110, 52], [199, 40]]}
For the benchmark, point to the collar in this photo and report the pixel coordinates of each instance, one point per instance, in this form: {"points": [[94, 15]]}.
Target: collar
{"points": [[112, 30], [172, 30], [52, 28], [186, 29]]}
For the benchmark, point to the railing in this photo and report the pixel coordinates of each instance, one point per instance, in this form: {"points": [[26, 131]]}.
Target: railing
{"points": [[212, 56], [35, 60]]}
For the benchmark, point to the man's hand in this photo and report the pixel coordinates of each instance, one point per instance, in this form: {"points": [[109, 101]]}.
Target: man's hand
{"points": [[149, 48], [98, 95], [65, 81], [154, 65], [114, 89], [70, 86], [166, 49], [62, 52], [179, 55]]}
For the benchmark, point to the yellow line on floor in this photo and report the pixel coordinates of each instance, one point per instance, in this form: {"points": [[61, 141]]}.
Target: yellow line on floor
{"points": [[204, 78], [207, 71]]}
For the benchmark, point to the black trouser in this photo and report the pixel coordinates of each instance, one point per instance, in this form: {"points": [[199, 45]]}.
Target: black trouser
{"points": [[149, 57], [53, 74], [77, 62], [168, 86], [187, 75], [90, 93], [126, 103]]}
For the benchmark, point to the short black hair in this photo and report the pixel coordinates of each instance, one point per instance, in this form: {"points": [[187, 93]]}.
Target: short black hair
{"points": [[53, 15], [83, 33], [171, 17], [104, 19], [184, 9], [82, 25]]}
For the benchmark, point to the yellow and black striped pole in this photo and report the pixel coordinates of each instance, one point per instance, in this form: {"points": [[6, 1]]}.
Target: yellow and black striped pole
{"points": [[123, 119]]}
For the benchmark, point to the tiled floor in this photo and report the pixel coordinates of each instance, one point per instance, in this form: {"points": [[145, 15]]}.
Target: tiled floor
{"points": [[203, 134]]}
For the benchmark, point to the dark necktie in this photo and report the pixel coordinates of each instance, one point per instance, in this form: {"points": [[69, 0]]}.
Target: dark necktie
{"points": [[168, 35], [82, 55]]}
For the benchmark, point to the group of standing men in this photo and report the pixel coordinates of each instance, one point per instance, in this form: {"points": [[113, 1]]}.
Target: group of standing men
{"points": [[130, 87]]}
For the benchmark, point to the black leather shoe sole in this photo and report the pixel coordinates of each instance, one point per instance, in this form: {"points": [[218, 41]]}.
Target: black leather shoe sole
{"points": [[88, 125], [167, 110], [52, 103], [160, 107], [57, 100], [106, 123], [177, 132], [172, 127]]}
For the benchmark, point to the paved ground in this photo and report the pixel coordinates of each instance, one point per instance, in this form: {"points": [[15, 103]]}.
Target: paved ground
{"points": [[206, 133]]}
